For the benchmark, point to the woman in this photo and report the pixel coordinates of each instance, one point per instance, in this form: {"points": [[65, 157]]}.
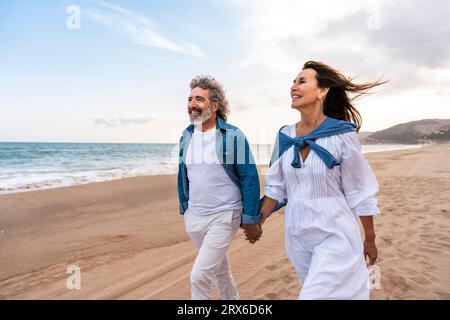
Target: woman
{"points": [[317, 168]]}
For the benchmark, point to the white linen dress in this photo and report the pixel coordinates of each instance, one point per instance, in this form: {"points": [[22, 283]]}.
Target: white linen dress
{"points": [[322, 236]]}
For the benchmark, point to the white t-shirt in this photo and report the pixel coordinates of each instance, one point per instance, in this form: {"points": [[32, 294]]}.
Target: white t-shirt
{"points": [[210, 188]]}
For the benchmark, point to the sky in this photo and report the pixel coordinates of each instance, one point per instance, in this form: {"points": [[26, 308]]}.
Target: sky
{"points": [[119, 71]]}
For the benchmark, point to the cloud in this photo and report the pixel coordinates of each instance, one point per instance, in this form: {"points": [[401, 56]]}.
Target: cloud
{"points": [[404, 32], [100, 18], [121, 122], [139, 29], [129, 13], [402, 41]]}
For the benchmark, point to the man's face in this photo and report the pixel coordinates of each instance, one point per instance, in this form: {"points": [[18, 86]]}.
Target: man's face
{"points": [[200, 108]]}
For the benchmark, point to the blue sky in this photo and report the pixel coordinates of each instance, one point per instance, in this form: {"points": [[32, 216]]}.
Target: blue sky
{"points": [[124, 75]]}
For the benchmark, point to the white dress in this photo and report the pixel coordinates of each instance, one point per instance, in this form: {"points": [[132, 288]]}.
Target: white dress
{"points": [[323, 239]]}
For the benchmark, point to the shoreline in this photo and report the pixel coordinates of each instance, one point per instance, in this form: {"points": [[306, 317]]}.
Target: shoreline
{"points": [[39, 188]]}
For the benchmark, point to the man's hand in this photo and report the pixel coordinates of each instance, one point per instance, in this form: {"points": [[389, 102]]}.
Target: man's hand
{"points": [[252, 232]]}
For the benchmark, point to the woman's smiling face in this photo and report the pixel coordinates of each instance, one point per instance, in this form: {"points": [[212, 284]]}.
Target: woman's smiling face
{"points": [[305, 90]]}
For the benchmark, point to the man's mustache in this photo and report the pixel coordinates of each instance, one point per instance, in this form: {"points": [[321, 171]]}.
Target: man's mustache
{"points": [[195, 109]]}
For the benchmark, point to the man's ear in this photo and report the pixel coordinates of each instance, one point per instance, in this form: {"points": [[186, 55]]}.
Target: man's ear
{"points": [[215, 105]]}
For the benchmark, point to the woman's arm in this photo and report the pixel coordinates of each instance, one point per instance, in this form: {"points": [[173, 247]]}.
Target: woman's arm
{"points": [[360, 187], [370, 248], [266, 208], [369, 229]]}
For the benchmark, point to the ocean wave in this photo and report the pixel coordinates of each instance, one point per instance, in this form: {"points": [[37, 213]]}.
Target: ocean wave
{"points": [[38, 181]]}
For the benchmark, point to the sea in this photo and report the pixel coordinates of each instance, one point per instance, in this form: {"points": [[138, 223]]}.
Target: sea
{"points": [[27, 166]]}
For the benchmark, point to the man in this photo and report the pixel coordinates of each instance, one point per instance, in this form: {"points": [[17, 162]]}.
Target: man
{"points": [[218, 188]]}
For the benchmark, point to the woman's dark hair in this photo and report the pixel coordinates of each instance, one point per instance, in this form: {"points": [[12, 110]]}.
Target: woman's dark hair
{"points": [[337, 103]]}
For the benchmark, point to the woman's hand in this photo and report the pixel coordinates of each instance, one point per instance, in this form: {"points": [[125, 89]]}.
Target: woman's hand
{"points": [[371, 251], [370, 248], [264, 216]]}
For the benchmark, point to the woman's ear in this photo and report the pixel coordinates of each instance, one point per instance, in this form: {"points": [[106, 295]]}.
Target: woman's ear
{"points": [[323, 92]]}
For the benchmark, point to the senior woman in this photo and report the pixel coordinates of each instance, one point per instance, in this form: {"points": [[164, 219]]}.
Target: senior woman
{"points": [[318, 170]]}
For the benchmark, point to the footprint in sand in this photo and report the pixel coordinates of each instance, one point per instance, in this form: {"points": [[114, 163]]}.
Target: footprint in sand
{"points": [[387, 240], [442, 295], [266, 284], [271, 296], [420, 280], [272, 267], [287, 278], [401, 283]]}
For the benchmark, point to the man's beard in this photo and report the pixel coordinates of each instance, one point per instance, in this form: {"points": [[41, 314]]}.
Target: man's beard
{"points": [[202, 117]]}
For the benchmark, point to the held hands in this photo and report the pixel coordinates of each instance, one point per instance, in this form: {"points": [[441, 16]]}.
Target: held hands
{"points": [[254, 231]]}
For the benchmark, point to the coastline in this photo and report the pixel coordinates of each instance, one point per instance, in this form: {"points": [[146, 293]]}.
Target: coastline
{"points": [[28, 178]]}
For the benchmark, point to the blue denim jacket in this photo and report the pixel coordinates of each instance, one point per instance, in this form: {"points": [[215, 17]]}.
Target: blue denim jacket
{"points": [[236, 158]]}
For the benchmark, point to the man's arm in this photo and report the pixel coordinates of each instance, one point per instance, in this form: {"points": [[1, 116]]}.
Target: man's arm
{"points": [[249, 181]]}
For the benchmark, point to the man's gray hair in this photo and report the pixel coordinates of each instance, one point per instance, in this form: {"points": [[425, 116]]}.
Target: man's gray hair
{"points": [[216, 93]]}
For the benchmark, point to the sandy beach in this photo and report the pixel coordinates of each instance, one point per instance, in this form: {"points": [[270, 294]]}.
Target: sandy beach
{"points": [[129, 240]]}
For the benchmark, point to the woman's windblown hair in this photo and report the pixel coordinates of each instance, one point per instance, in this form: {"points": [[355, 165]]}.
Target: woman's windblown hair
{"points": [[338, 103]]}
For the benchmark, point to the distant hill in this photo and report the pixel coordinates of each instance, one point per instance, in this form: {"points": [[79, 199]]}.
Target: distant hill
{"points": [[363, 135], [421, 131]]}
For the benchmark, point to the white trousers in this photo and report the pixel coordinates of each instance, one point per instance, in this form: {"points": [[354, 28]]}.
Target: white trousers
{"points": [[212, 235]]}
